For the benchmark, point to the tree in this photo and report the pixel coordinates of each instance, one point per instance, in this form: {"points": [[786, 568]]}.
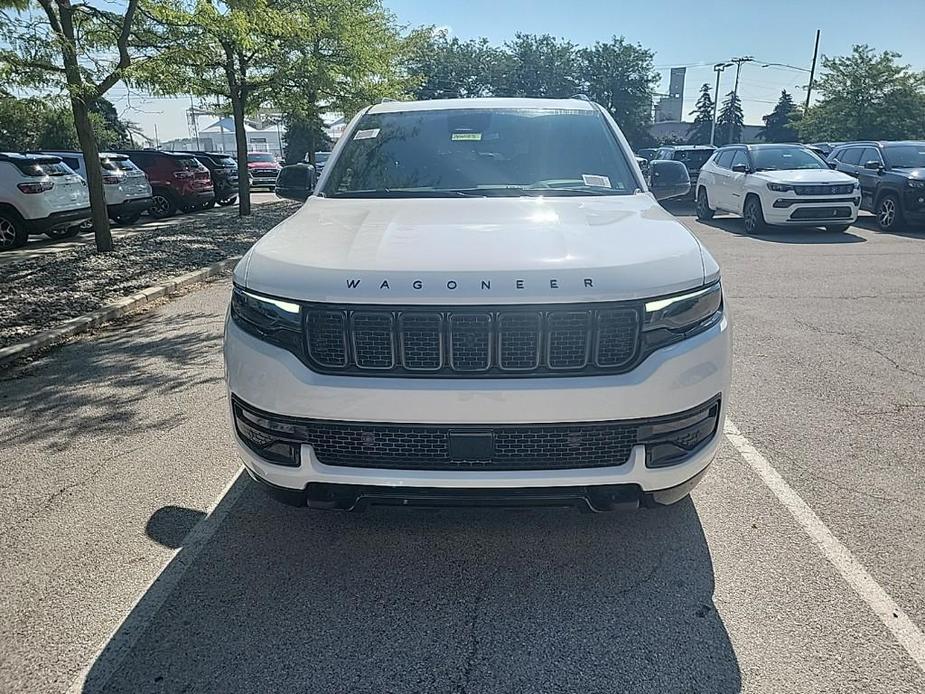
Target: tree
{"points": [[730, 120], [621, 77], [305, 134], [779, 124], [80, 48], [444, 68], [538, 66], [36, 124], [866, 96], [702, 128]]}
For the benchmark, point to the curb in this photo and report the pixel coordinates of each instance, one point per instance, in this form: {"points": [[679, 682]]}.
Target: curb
{"points": [[80, 324]]}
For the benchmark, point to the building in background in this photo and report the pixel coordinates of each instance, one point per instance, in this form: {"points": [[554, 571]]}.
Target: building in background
{"points": [[671, 107]]}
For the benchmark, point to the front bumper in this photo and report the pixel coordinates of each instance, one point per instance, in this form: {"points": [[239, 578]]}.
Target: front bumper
{"points": [[672, 380], [787, 210]]}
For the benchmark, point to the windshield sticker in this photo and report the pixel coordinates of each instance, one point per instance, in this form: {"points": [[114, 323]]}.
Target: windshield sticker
{"points": [[366, 134], [466, 137], [593, 180]]}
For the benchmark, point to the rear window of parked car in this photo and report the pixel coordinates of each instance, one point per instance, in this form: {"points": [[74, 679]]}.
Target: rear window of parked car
{"points": [[117, 165], [44, 168]]}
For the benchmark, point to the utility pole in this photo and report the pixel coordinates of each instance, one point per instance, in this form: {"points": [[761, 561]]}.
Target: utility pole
{"points": [[812, 72], [738, 63], [718, 69]]}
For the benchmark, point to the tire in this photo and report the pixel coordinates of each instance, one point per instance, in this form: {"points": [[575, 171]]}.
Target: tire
{"points": [[704, 213], [889, 213], [754, 216], [837, 228], [209, 205], [127, 219], [227, 202], [12, 232], [63, 233], [162, 206]]}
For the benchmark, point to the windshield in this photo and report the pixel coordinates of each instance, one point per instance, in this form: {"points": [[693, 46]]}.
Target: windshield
{"points": [[260, 157], [499, 152], [785, 159], [693, 158], [117, 165], [906, 156]]}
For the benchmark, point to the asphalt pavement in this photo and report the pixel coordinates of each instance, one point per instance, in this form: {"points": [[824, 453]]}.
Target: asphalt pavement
{"points": [[135, 558]]}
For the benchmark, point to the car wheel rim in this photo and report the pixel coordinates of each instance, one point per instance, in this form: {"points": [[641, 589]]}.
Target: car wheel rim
{"points": [[160, 205], [7, 234], [702, 204], [751, 219], [887, 212]]}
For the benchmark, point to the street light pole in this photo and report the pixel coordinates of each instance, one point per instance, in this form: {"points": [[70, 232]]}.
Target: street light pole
{"points": [[812, 72], [718, 69]]}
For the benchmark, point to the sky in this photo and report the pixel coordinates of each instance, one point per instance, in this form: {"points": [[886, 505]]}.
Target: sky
{"points": [[694, 33]]}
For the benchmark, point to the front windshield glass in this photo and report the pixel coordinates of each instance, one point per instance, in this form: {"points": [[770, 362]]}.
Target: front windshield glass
{"points": [[497, 152], [785, 159], [906, 156], [260, 157]]}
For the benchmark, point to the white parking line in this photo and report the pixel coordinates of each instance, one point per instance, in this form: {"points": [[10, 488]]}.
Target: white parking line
{"points": [[903, 629], [152, 597]]}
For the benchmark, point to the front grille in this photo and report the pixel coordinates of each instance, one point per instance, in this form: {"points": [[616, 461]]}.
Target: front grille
{"points": [[821, 213], [841, 189], [469, 342], [489, 446]]}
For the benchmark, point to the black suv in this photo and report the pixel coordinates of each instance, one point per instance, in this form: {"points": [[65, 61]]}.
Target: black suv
{"points": [[892, 177], [224, 171], [692, 156]]}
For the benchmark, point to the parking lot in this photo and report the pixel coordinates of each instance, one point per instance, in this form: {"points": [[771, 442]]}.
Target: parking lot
{"points": [[136, 558]]}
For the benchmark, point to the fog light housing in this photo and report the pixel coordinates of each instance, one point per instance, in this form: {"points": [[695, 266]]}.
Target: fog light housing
{"points": [[673, 441], [267, 439], [780, 202]]}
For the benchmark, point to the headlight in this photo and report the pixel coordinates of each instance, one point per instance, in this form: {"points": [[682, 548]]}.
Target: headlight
{"points": [[677, 318], [780, 187], [916, 184], [272, 320]]}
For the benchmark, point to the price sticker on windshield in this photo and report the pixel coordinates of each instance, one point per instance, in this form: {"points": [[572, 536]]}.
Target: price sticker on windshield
{"points": [[466, 137], [366, 134], [595, 180]]}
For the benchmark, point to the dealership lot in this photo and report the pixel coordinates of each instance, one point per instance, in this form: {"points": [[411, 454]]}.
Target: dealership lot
{"points": [[115, 448]]}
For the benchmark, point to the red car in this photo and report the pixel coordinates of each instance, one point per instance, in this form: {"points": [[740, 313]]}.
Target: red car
{"points": [[263, 169], [178, 181]]}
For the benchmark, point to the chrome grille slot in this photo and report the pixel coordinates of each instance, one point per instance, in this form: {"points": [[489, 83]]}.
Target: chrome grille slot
{"points": [[373, 347], [567, 339], [327, 338], [470, 341], [519, 341], [421, 339]]}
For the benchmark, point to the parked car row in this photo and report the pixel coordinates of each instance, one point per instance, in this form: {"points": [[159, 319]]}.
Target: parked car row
{"points": [[821, 184]]}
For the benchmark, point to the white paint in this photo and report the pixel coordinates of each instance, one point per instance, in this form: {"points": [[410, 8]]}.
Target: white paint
{"points": [[120, 642], [898, 622]]}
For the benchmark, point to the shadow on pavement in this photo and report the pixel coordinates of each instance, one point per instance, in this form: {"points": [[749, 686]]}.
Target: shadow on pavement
{"points": [[282, 599], [99, 387], [170, 525], [800, 235], [869, 223]]}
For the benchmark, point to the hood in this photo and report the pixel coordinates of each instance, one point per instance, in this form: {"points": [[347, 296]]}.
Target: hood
{"points": [[805, 176], [476, 250], [914, 174], [263, 165]]}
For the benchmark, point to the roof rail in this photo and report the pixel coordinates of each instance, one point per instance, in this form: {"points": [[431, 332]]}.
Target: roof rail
{"points": [[581, 97], [387, 100]]}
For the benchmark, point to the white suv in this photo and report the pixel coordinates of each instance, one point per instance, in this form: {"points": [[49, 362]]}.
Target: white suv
{"points": [[39, 194], [128, 193], [481, 303], [773, 184]]}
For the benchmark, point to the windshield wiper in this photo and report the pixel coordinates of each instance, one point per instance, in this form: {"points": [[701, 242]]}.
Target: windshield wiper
{"points": [[395, 193]]}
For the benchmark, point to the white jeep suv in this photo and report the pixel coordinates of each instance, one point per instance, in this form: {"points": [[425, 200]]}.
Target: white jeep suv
{"points": [[39, 194], [126, 187], [481, 303], [774, 184]]}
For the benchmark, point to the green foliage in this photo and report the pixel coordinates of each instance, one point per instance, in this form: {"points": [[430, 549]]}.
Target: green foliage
{"points": [[445, 68], [30, 124], [866, 96], [730, 120], [779, 124], [700, 131], [304, 134], [538, 66]]}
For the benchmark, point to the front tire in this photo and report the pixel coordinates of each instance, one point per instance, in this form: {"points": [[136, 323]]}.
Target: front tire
{"points": [[127, 219], [704, 211], [754, 216], [63, 233], [889, 213], [12, 232], [227, 202]]}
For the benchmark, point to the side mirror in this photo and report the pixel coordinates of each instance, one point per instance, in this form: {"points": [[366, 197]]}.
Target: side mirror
{"points": [[295, 182], [872, 165], [833, 164], [740, 168], [668, 179]]}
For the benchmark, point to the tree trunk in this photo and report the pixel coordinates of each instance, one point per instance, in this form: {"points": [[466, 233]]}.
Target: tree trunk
{"points": [[91, 153], [240, 140]]}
